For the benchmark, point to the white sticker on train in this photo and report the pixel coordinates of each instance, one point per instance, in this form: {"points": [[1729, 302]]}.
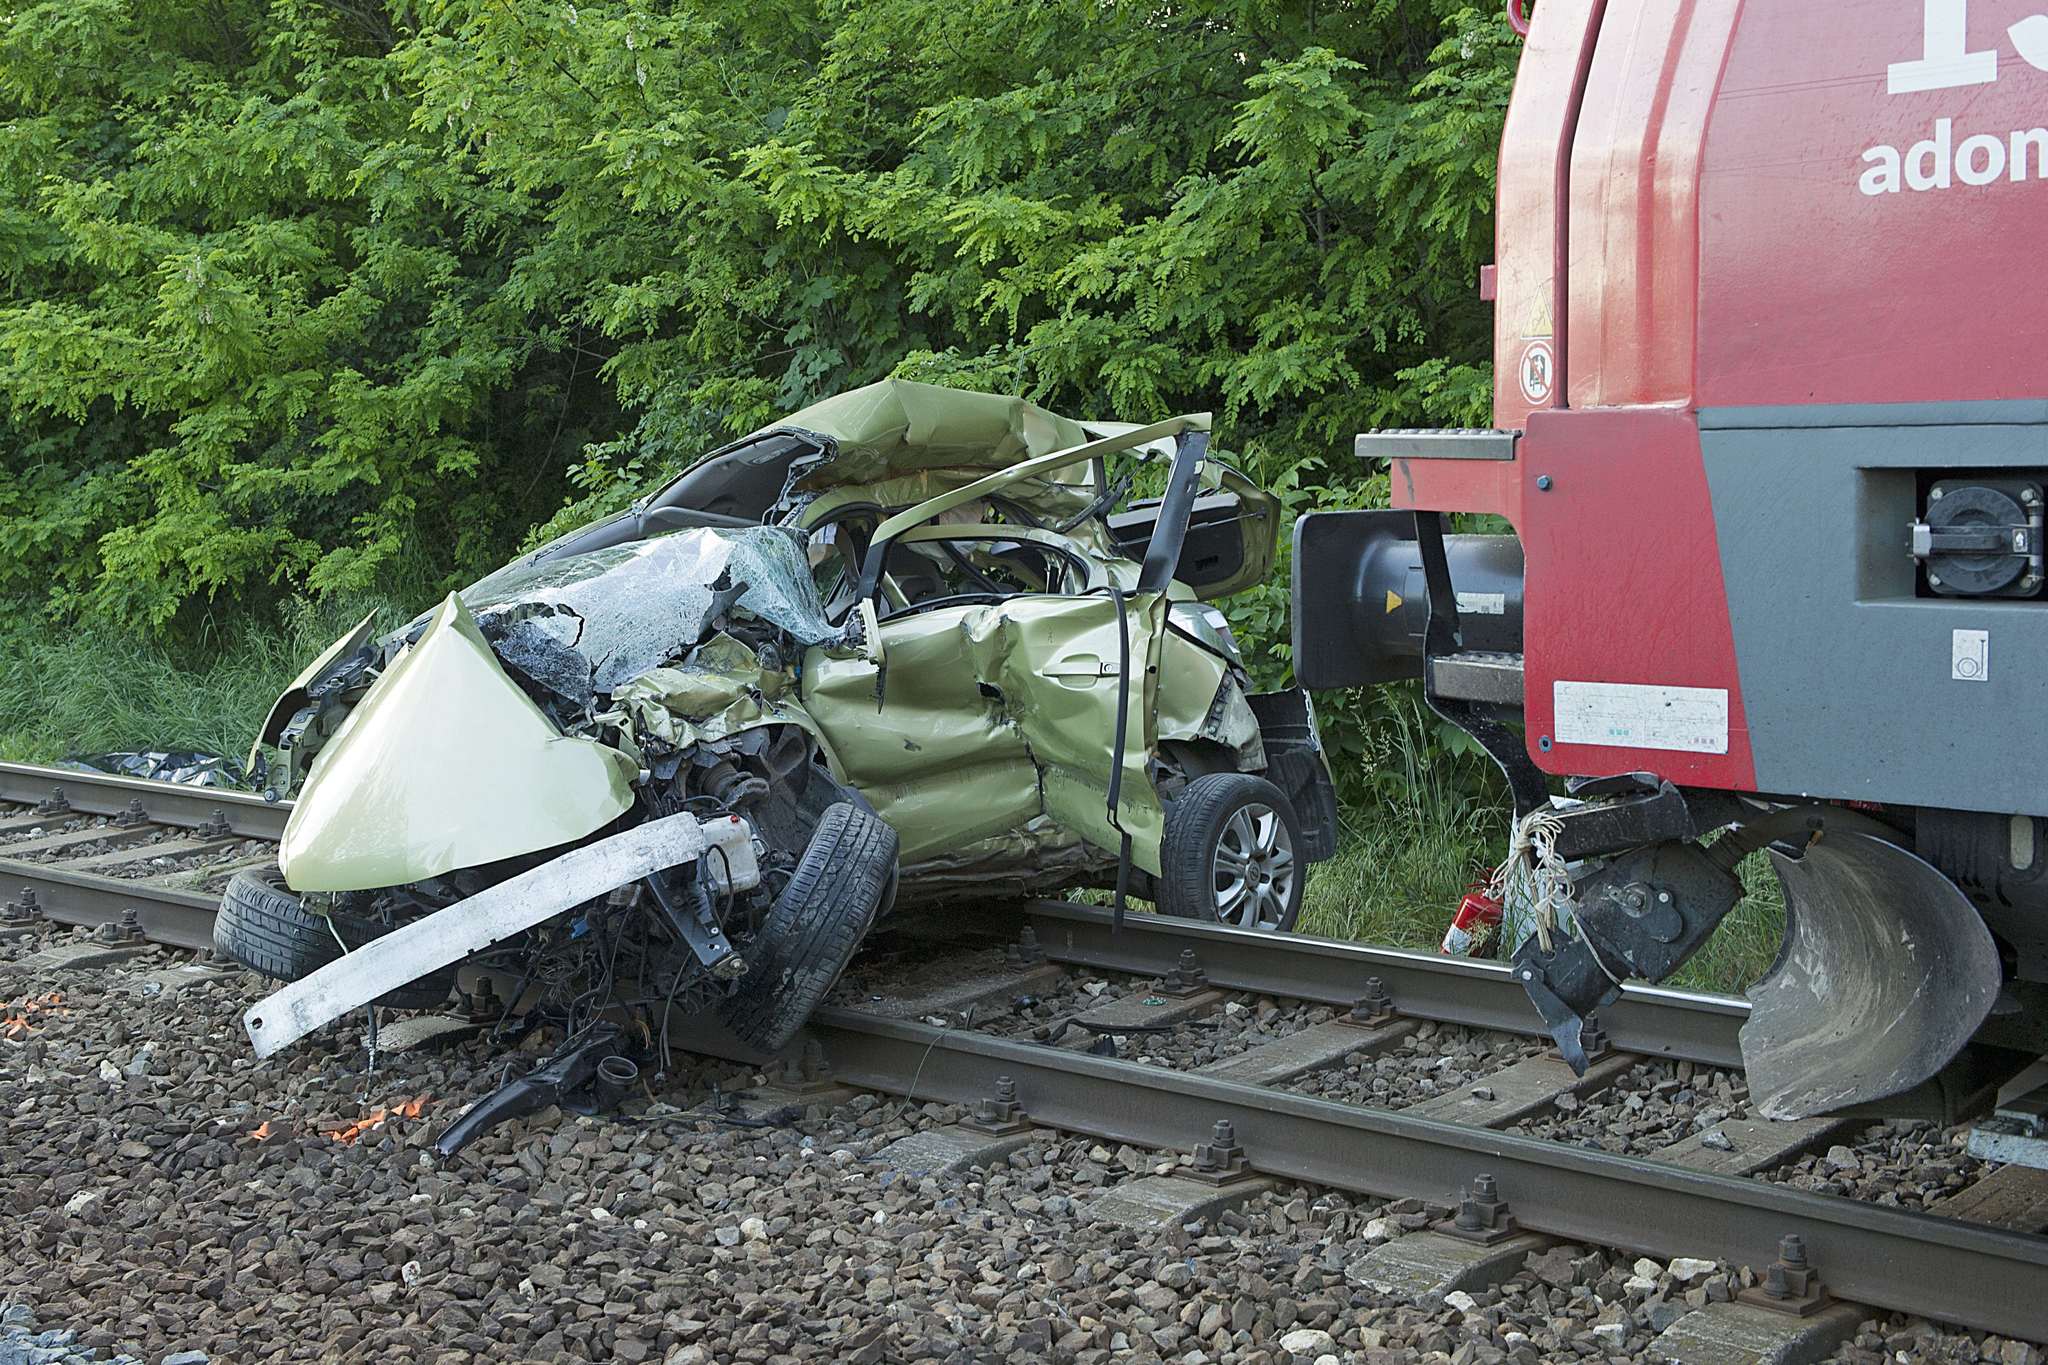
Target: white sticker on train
{"points": [[1483, 603], [1692, 720], [1969, 658]]}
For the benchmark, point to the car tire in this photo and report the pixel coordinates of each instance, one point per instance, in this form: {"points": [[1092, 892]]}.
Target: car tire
{"points": [[1219, 823], [814, 927], [263, 925]]}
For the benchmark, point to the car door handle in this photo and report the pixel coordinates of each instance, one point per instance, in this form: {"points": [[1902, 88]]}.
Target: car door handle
{"points": [[1080, 670]]}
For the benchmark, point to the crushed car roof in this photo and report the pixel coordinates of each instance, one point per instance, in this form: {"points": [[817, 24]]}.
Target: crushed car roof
{"points": [[904, 442], [899, 425]]}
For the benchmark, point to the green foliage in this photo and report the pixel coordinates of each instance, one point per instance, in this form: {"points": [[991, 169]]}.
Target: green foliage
{"points": [[332, 297]]}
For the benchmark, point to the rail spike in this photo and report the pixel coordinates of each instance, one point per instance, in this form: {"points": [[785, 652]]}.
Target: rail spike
{"points": [[998, 1115], [1483, 1216], [1220, 1160], [1187, 978], [1789, 1285], [1026, 951], [1374, 1008], [23, 911]]}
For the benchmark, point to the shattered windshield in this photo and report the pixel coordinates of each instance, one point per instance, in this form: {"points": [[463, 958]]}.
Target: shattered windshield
{"points": [[587, 624]]}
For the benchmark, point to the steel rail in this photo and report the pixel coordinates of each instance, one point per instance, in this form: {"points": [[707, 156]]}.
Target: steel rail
{"points": [[166, 803], [1867, 1253], [1698, 1028], [165, 914], [173, 915], [1453, 990]]}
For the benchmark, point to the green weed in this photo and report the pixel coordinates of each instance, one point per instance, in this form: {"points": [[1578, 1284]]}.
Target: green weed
{"points": [[1432, 826], [1397, 883], [1746, 944], [99, 689], [1431, 831], [1398, 877]]}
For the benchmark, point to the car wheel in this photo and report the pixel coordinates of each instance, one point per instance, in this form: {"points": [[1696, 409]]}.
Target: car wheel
{"points": [[814, 926], [263, 925], [1230, 854]]}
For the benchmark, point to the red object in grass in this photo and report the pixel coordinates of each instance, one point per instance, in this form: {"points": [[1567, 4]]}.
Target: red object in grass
{"points": [[1472, 927]]}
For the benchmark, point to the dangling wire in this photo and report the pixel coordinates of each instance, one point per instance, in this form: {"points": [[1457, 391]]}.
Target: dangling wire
{"points": [[1116, 757], [1534, 872], [370, 1029]]}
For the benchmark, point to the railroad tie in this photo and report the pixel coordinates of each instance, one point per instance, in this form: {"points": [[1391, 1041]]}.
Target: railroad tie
{"points": [[2014, 1197], [1528, 1087]]}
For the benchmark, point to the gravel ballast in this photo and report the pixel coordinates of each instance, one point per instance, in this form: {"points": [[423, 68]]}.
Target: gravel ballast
{"points": [[1434, 1060], [168, 1194], [1903, 1163], [1650, 1106]]}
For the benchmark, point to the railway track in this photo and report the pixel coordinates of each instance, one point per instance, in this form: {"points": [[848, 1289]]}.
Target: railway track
{"points": [[90, 849], [958, 1022]]}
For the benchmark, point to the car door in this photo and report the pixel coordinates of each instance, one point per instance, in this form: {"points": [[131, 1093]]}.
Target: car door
{"points": [[1071, 675], [917, 733], [1068, 670]]}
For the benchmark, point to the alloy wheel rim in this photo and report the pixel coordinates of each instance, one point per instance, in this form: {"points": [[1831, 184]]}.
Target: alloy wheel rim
{"points": [[1252, 869]]}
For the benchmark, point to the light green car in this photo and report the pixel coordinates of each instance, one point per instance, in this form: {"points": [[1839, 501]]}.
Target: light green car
{"points": [[910, 643]]}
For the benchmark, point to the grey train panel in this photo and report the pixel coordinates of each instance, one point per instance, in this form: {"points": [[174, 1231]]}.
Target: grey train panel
{"points": [[1848, 679]]}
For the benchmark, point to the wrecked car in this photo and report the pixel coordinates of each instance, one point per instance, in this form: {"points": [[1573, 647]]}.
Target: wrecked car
{"points": [[908, 644]]}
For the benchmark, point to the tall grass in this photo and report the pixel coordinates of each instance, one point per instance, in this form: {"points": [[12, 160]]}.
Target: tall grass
{"points": [[1410, 852], [92, 689], [1398, 879], [1746, 944]]}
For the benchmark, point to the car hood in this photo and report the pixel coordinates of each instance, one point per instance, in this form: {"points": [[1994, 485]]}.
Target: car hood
{"points": [[472, 745], [445, 763]]}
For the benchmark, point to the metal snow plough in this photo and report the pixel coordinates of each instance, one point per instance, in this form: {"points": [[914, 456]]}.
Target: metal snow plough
{"points": [[1771, 433], [909, 643]]}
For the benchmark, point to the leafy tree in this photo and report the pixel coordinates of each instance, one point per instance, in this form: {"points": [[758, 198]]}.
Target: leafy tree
{"points": [[325, 297]]}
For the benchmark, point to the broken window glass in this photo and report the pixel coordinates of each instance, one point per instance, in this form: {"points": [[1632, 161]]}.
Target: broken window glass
{"points": [[585, 625]]}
